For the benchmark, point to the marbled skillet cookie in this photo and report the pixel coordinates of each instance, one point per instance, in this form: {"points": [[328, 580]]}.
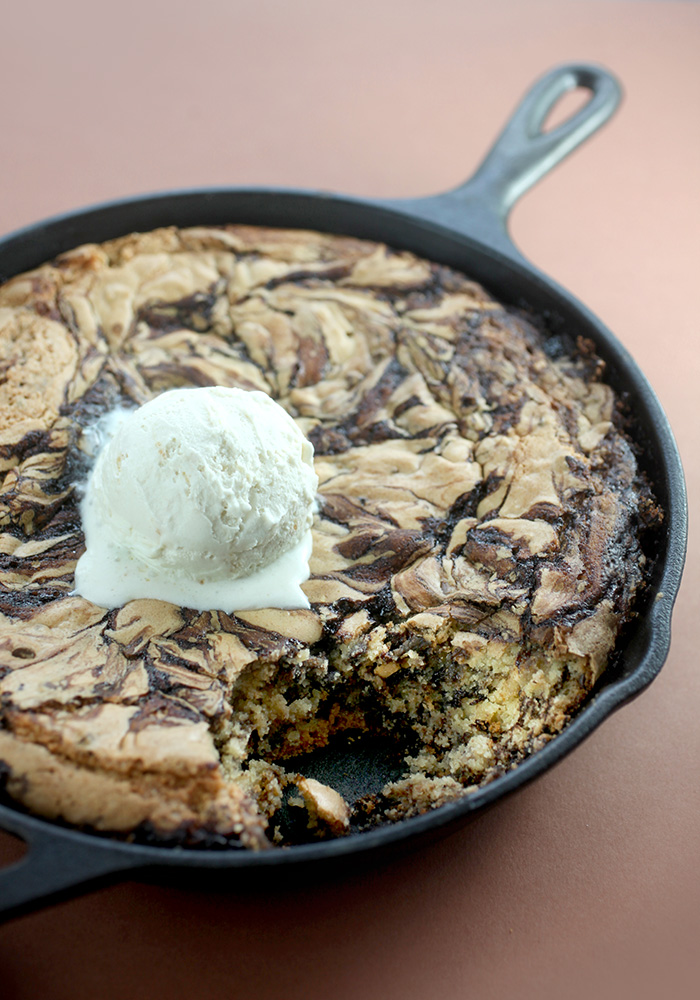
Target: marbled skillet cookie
{"points": [[476, 549]]}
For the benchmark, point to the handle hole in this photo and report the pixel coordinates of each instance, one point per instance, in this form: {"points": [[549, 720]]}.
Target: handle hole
{"points": [[566, 107], [12, 849]]}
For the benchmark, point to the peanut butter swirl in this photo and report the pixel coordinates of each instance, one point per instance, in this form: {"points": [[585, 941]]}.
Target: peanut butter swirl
{"points": [[479, 514]]}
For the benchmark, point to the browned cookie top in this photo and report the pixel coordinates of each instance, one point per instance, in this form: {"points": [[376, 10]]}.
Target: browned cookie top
{"points": [[469, 471]]}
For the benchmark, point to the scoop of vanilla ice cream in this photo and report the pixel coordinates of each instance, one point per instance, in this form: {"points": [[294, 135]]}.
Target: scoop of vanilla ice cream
{"points": [[196, 498]]}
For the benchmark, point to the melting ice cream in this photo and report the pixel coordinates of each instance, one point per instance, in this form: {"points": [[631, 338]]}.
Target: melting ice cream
{"points": [[201, 497]]}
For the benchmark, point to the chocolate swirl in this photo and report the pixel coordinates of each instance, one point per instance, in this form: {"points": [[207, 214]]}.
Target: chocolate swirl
{"points": [[476, 548]]}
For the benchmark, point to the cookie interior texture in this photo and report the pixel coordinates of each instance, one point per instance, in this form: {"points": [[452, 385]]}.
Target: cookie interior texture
{"points": [[477, 549]]}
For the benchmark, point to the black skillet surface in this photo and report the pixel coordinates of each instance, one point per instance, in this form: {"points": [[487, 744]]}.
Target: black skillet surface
{"points": [[466, 229]]}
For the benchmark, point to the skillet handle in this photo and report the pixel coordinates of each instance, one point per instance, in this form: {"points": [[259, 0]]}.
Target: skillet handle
{"points": [[522, 154], [54, 868]]}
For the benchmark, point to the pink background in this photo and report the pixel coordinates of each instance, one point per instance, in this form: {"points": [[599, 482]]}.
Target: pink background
{"points": [[588, 882]]}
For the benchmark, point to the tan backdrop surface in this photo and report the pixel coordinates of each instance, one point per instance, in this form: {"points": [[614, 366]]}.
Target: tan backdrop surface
{"points": [[588, 882]]}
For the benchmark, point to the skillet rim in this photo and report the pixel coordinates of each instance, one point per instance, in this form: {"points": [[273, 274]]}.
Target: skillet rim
{"points": [[610, 695]]}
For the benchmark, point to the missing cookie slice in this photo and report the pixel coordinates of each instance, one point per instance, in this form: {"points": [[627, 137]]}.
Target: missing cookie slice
{"points": [[480, 540]]}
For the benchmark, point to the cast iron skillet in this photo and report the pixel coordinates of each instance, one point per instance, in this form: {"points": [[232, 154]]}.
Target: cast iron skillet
{"points": [[466, 229]]}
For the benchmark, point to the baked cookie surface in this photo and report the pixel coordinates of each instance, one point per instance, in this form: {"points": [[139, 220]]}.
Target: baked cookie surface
{"points": [[478, 545]]}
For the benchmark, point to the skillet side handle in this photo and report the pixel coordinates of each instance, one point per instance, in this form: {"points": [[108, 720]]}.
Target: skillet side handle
{"points": [[53, 869], [523, 153]]}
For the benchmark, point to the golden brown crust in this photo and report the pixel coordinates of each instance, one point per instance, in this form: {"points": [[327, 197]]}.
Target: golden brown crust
{"points": [[38, 359], [478, 513]]}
